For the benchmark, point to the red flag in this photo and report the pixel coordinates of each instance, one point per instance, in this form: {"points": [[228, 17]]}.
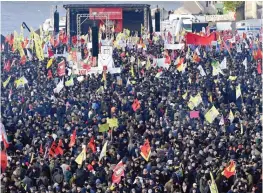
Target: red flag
{"points": [[259, 68], [74, 40], [65, 40], [244, 35], [59, 149], [50, 53], [61, 35], [180, 62], [49, 74], [6, 144], [23, 60], [136, 105], [7, 39], [52, 150], [146, 150], [92, 145], [230, 170], [41, 149], [259, 54], [196, 58], [11, 40], [118, 172], [200, 40], [3, 161], [167, 59], [73, 138], [61, 70], [7, 66]]}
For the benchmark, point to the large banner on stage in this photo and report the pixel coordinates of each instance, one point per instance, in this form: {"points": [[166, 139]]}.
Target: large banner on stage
{"points": [[115, 16], [113, 13]]}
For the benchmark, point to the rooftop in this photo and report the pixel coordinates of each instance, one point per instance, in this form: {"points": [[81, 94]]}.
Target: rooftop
{"points": [[105, 5]]}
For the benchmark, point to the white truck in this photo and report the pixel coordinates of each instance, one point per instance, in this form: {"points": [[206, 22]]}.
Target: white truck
{"points": [[252, 26]]}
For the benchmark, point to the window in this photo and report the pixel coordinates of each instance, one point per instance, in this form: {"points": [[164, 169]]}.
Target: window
{"points": [[206, 3]]}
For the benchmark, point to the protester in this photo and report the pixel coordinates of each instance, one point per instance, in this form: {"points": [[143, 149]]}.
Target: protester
{"points": [[155, 140]]}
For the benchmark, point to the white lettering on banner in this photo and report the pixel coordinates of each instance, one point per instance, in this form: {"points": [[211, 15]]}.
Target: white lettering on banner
{"points": [[173, 46]]}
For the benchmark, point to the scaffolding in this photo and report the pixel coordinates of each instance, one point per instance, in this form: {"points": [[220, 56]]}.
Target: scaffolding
{"points": [[87, 16]]}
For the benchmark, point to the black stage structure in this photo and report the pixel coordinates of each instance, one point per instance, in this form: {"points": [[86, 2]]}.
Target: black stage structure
{"points": [[81, 17]]}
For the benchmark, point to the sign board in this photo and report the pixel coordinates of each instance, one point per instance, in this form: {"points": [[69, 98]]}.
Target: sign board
{"points": [[228, 17], [106, 50]]}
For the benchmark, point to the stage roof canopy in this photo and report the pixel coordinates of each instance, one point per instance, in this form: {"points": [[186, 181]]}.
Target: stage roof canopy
{"points": [[128, 6]]}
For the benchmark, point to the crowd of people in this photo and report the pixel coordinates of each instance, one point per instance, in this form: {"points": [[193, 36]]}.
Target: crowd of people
{"points": [[188, 154]]}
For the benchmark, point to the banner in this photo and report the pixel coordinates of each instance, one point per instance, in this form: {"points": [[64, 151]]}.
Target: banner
{"points": [[113, 13], [61, 68], [200, 40], [174, 46]]}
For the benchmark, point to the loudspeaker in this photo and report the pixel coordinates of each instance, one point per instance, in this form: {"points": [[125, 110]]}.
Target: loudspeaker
{"points": [[95, 41], [157, 21], [56, 22]]}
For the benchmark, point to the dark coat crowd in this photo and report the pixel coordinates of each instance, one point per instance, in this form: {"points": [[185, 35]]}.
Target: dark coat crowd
{"points": [[184, 150]]}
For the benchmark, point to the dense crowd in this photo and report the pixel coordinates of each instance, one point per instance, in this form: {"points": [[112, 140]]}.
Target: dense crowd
{"points": [[184, 150]]}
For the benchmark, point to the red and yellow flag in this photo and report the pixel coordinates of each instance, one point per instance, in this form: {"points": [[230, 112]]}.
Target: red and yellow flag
{"points": [[230, 170], [146, 150]]}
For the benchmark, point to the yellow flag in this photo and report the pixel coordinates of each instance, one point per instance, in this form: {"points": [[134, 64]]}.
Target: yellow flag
{"points": [[211, 98], [190, 103], [41, 33], [185, 95], [32, 158], [81, 157], [148, 64], [21, 82], [211, 114], [100, 90], [104, 127], [232, 78], [38, 46], [238, 91], [194, 101], [182, 68], [21, 34], [112, 122], [242, 129], [132, 71], [213, 186], [231, 116], [69, 82], [50, 62], [5, 83], [103, 151], [197, 99], [16, 41]]}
